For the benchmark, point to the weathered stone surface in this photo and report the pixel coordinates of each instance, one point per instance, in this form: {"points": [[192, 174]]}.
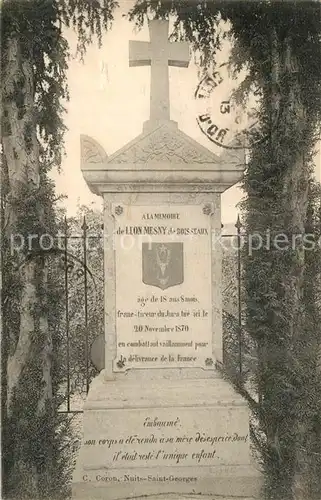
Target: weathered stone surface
{"points": [[91, 151], [162, 159], [165, 436], [159, 53], [159, 421]]}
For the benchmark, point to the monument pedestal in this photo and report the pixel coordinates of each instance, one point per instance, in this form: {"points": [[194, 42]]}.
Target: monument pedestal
{"points": [[159, 421], [155, 436]]}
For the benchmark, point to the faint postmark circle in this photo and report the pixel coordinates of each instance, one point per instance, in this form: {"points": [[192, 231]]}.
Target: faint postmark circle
{"points": [[220, 117]]}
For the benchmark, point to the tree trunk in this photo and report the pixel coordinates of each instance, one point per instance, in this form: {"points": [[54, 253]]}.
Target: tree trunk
{"points": [[28, 342]]}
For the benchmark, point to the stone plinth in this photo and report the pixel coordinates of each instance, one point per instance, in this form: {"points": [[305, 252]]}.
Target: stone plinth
{"points": [[152, 437], [159, 419]]}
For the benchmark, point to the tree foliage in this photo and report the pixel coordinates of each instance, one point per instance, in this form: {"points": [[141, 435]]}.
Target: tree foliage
{"points": [[39, 27], [278, 43]]}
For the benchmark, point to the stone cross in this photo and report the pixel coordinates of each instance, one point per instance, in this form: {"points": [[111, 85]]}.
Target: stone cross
{"points": [[159, 53]]}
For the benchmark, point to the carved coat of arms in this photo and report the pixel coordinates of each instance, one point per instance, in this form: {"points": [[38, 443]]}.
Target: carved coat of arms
{"points": [[162, 264]]}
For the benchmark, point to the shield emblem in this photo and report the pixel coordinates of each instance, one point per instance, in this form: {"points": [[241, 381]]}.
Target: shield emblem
{"points": [[162, 264]]}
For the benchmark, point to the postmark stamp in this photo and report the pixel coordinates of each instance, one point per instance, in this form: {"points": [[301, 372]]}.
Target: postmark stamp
{"points": [[225, 122]]}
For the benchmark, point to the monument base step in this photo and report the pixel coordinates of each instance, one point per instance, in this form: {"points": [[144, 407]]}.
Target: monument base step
{"points": [[165, 439], [126, 391]]}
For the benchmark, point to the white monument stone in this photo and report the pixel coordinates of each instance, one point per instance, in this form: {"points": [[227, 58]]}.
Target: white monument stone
{"points": [[159, 419]]}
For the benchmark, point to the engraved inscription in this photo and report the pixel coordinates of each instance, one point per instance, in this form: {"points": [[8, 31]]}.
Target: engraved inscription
{"points": [[175, 437], [163, 287]]}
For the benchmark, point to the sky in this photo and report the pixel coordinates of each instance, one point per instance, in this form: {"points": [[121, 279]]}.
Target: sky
{"points": [[109, 101]]}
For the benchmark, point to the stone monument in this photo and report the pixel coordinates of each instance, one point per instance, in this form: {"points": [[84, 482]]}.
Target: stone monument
{"points": [[159, 419]]}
